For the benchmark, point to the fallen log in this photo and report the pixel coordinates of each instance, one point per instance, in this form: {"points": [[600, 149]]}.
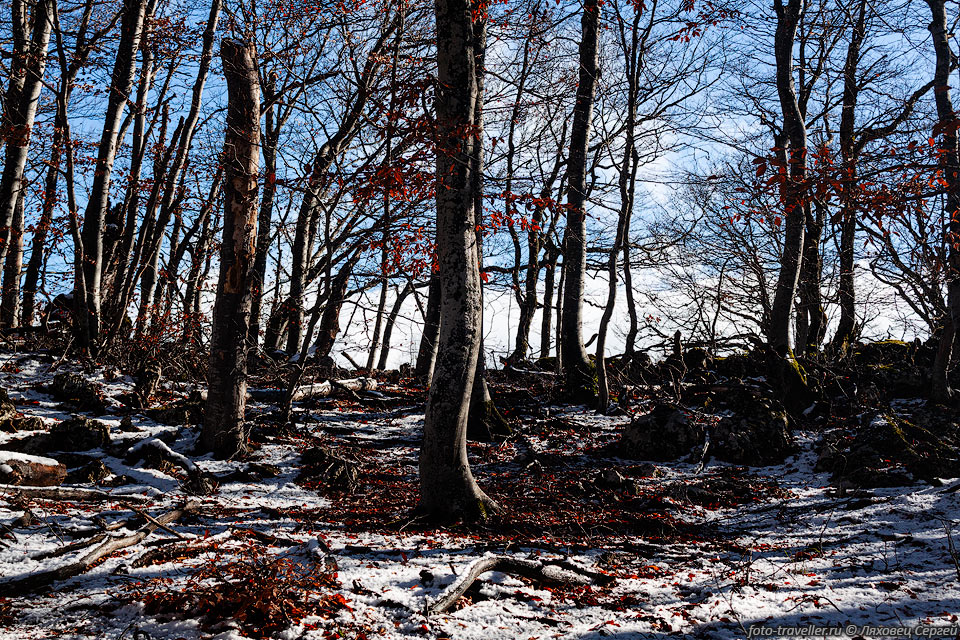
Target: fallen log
{"points": [[315, 390], [550, 572], [71, 493], [19, 586], [20, 468]]}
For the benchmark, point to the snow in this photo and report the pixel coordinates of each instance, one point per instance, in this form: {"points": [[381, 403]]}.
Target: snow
{"points": [[13, 456], [806, 554]]}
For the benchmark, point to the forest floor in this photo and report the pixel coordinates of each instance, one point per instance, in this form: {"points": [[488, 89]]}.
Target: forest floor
{"points": [[272, 552]]}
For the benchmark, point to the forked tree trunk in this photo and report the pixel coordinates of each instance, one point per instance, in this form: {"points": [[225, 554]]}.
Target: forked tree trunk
{"points": [[330, 321], [579, 383], [447, 486], [223, 427], [391, 322], [950, 165]]}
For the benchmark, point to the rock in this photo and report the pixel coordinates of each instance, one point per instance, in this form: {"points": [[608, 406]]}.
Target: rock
{"points": [[78, 391], [21, 469], [737, 365], [178, 413], [666, 433], [93, 472], [757, 437], [11, 421], [893, 352], [890, 451], [755, 430], [612, 479], [324, 467], [696, 358], [79, 434]]}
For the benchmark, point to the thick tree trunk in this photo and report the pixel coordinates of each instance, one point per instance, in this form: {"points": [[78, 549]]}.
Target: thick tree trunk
{"points": [[794, 152], [23, 97], [950, 165], [447, 486], [121, 83], [579, 382], [223, 427]]}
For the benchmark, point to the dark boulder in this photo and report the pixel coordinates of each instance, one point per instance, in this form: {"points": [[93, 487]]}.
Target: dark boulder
{"points": [[76, 390], [666, 433]]}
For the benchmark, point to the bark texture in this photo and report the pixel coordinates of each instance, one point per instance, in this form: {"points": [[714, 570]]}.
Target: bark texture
{"points": [[223, 426], [950, 166], [448, 489], [579, 382]]}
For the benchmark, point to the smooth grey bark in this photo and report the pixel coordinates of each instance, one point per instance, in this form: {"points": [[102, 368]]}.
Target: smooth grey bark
{"points": [[794, 149], [448, 489], [578, 381], [23, 97], [223, 422], [121, 84]]}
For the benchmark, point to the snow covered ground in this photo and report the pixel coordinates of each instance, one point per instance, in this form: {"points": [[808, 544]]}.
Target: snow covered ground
{"points": [[703, 556]]}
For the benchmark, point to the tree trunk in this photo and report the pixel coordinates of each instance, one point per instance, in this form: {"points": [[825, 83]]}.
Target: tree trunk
{"points": [[271, 139], [121, 83], [794, 147], [846, 327], [427, 353], [950, 165], [223, 427], [448, 489], [579, 382], [546, 319], [23, 97], [10, 303], [391, 322], [810, 307], [172, 187], [330, 321]]}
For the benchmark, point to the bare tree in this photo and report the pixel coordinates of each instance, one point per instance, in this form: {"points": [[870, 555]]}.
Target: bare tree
{"points": [[447, 486], [223, 425]]}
